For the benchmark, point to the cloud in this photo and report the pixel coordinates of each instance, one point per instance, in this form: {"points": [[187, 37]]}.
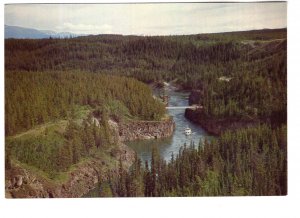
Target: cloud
{"points": [[85, 28], [148, 19]]}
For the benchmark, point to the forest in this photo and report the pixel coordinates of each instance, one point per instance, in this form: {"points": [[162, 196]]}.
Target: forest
{"points": [[34, 98], [65, 104], [250, 161], [253, 63], [66, 82], [54, 152]]}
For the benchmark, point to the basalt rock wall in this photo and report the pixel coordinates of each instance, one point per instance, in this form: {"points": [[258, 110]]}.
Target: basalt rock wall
{"points": [[23, 182], [134, 130]]}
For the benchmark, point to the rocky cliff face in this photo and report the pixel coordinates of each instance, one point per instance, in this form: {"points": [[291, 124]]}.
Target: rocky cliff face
{"points": [[24, 183], [134, 130]]}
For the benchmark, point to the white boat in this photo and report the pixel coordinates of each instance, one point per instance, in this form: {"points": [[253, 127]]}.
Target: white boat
{"points": [[188, 131]]}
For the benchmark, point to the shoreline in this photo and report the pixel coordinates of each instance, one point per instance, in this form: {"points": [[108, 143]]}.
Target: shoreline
{"points": [[22, 181]]}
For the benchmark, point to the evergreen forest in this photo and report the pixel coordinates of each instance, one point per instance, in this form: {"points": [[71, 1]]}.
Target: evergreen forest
{"points": [[55, 88], [250, 161]]}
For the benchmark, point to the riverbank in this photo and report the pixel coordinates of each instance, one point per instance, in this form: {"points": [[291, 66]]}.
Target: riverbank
{"points": [[144, 130], [23, 181], [212, 125], [217, 126], [171, 145]]}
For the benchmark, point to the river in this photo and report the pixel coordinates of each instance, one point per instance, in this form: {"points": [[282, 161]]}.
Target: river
{"points": [[169, 145], [172, 144]]}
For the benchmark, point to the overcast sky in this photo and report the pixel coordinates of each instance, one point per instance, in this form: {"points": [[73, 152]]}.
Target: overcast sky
{"points": [[147, 19]]}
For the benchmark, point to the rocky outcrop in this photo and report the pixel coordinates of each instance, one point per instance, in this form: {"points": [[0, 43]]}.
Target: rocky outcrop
{"points": [[217, 126], [133, 130], [24, 183], [30, 187]]}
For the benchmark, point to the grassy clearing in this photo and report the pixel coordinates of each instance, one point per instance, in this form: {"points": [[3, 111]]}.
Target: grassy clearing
{"points": [[59, 126], [49, 134], [62, 177], [41, 129], [34, 170], [48, 139], [81, 113], [103, 155]]}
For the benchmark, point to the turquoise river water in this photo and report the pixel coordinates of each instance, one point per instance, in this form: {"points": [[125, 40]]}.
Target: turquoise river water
{"points": [[169, 145], [172, 144]]}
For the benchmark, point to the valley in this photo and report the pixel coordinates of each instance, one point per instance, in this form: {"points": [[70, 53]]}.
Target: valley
{"points": [[80, 113]]}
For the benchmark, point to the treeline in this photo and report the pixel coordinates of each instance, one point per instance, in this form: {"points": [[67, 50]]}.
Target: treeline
{"points": [[254, 61], [250, 161], [133, 54], [240, 75], [244, 83], [256, 91], [53, 152], [33, 98], [221, 52]]}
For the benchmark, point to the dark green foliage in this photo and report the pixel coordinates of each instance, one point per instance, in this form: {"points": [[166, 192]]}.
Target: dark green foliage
{"points": [[240, 75], [255, 90], [54, 152], [130, 184], [251, 161], [7, 158], [254, 60], [33, 98], [132, 53], [48, 153]]}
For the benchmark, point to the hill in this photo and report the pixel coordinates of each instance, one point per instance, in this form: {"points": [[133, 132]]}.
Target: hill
{"points": [[17, 32], [55, 88], [254, 60]]}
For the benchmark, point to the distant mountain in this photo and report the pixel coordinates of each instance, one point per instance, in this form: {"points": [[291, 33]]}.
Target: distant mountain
{"points": [[48, 32], [60, 34], [28, 33], [20, 32]]}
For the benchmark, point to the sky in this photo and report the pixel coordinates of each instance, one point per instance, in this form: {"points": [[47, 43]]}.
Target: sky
{"points": [[147, 19]]}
